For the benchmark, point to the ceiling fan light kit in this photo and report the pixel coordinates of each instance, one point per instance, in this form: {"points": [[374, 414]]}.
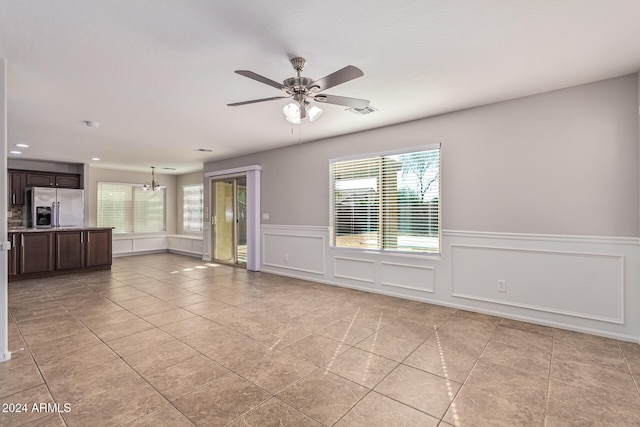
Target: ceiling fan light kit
{"points": [[302, 90], [292, 113]]}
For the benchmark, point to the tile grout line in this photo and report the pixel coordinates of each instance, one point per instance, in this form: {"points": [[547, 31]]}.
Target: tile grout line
{"points": [[44, 381], [626, 361], [548, 397], [326, 302]]}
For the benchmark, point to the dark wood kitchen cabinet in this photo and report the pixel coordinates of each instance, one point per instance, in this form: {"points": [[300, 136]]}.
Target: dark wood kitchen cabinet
{"points": [[19, 180], [98, 247], [12, 257], [17, 184], [36, 253], [67, 181], [70, 249], [47, 179], [42, 253], [39, 179]]}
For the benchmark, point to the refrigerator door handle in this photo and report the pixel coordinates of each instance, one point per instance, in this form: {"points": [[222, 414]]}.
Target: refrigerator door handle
{"points": [[58, 215], [53, 215]]}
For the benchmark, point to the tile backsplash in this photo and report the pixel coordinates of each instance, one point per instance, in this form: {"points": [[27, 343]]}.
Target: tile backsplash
{"points": [[15, 220]]}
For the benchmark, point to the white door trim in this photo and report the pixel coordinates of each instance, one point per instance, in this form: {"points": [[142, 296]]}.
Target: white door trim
{"points": [[252, 173]]}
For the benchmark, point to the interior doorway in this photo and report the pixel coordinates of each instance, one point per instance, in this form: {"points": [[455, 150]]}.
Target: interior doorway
{"points": [[229, 220]]}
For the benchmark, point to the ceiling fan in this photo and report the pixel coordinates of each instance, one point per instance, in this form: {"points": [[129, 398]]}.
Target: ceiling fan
{"points": [[303, 90]]}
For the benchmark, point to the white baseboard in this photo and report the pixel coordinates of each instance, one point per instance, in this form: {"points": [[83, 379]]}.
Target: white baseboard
{"points": [[187, 244], [496, 313], [187, 253], [124, 254]]}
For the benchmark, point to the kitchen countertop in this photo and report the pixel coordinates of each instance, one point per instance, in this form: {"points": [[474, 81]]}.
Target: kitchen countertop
{"points": [[42, 230]]}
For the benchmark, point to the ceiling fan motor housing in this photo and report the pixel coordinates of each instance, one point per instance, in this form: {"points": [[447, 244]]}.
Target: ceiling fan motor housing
{"points": [[298, 84]]}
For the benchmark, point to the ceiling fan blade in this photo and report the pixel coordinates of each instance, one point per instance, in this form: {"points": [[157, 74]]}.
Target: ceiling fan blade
{"points": [[342, 100], [341, 76], [260, 78], [253, 101]]}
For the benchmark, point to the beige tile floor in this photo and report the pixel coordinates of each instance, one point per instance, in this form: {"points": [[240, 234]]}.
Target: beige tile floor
{"points": [[169, 340]]}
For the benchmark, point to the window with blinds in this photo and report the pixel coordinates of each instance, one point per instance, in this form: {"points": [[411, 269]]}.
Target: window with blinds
{"points": [[128, 209], [192, 208], [387, 201]]}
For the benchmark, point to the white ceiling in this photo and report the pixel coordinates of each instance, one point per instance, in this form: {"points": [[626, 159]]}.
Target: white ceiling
{"points": [[157, 74]]}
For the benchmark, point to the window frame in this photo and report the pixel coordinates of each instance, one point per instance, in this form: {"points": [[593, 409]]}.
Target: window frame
{"points": [[380, 249], [184, 211], [132, 220]]}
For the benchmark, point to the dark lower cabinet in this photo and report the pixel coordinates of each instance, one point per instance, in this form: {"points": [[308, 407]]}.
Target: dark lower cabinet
{"points": [[69, 249], [12, 258], [43, 253], [98, 247], [36, 253]]}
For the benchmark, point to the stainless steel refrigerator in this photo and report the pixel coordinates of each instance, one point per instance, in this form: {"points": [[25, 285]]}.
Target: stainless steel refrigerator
{"points": [[55, 207]]}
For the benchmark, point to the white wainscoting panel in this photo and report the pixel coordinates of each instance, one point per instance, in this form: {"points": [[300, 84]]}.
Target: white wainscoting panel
{"points": [[583, 283], [121, 246], [406, 276], [362, 270], [186, 244], [569, 283], [293, 250], [130, 244], [148, 244]]}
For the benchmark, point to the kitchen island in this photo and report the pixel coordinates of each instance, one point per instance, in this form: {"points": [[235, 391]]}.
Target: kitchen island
{"points": [[44, 252]]}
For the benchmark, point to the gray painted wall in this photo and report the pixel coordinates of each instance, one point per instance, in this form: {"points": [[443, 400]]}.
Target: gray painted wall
{"points": [[563, 162]]}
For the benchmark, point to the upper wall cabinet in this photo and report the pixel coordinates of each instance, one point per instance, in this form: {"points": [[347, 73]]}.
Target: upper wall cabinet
{"points": [[17, 183], [20, 179], [39, 179], [46, 179], [67, 181]]}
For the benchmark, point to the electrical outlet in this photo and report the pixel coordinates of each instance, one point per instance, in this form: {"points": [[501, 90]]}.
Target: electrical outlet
{"points": [[286, 257], [501, 286]]}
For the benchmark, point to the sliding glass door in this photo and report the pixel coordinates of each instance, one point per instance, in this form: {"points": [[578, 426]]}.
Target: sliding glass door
{"points": [[229, 220]]}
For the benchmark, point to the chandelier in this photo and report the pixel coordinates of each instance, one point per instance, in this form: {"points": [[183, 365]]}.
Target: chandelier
{"points": [[155, 185]]}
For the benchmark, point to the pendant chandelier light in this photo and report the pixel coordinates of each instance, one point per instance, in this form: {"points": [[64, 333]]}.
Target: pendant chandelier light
{"points": [[154, 186]]}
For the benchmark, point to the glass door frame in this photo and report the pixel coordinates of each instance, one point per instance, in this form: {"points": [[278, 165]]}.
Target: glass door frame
{"points": [[254, 245], [228, 222]]}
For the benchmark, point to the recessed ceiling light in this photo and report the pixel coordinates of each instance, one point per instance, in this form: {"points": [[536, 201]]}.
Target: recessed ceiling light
{"points": [[169, 169], [91, 124], [15, 152], [22, 145], [95, 159], [203, 150]]}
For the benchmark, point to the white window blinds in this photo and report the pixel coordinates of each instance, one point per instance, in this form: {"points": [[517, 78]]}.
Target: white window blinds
{"points": [[387, 202], [129, 209], [192, 208]]}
